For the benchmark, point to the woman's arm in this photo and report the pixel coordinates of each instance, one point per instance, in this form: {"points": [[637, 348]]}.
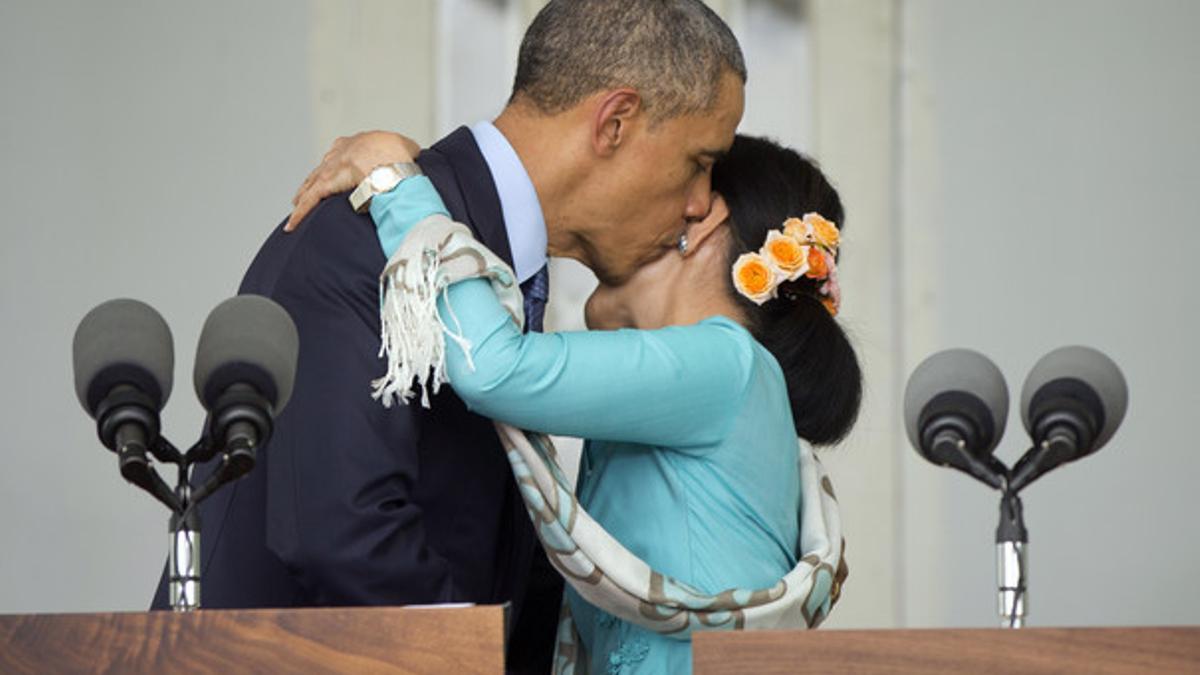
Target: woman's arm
{"points": [[397, 211], [676, 386]]}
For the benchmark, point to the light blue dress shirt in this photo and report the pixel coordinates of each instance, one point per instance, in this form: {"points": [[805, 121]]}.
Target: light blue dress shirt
{"points": [[523, 218], [691, 461]]}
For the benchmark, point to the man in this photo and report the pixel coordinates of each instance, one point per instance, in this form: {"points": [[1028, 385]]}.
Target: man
{"points": [[603, 154]]}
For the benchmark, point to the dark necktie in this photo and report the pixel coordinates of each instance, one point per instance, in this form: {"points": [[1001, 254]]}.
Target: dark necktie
{"points": [[537, 291]]}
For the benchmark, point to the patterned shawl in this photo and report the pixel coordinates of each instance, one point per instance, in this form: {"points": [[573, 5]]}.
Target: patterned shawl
{"points": [[439, 252]]}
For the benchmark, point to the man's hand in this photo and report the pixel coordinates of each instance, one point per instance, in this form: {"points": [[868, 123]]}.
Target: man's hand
{"points": [[345, 166]]}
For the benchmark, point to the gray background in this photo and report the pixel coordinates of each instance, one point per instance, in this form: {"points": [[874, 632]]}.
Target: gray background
{"points": [[1018, 176]]}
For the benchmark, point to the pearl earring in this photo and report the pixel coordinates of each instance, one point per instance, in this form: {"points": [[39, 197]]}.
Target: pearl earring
{"points": [[683, 244]]}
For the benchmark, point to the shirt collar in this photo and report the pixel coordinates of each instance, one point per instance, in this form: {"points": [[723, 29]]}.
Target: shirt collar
{"points": [[523, 218]]}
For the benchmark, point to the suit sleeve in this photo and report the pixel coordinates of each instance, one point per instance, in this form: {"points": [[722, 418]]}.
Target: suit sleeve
{"points": [[340, 511]]}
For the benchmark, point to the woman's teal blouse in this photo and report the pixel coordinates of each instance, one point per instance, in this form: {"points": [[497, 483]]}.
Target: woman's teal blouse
{"points": [[691, 456]]}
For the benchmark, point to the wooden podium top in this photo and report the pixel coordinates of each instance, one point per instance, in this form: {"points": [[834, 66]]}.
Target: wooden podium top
{"points": [[1026, 650], [357, 640]]}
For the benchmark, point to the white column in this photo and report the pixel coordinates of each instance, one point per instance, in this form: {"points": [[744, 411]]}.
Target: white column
{"points": [[854, 79], [372, 67]]}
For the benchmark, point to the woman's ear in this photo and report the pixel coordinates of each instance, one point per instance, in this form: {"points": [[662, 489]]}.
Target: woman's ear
{"points": [[613, 118], [698, 231]]}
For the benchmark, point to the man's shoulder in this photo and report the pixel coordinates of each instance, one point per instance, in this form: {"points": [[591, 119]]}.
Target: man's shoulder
{"points": [[333, 245]]}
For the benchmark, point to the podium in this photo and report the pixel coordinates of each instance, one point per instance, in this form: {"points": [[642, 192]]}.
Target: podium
{"points": [[345, 640], [899, 652]]}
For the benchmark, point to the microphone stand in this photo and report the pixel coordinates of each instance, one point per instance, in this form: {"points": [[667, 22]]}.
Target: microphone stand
{"points": [[242, 427], [183, 559], [183, 555], [1012, 542]]}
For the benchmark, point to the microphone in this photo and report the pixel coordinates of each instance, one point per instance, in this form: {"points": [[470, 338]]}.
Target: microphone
{"points": [[124, 361], [1071, 404], [955, 407], [245, 369]]}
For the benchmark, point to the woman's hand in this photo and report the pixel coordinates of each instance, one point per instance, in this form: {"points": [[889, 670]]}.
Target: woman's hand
{"points": [[345, 166]]}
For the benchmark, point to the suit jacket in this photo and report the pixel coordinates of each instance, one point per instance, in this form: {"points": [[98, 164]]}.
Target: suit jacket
{"points": [[354, 504]]}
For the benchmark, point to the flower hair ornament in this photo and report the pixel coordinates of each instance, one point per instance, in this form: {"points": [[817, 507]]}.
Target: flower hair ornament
{"points": [[803, 247]]}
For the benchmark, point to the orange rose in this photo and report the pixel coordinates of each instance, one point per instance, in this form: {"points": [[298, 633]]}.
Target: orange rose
{"points": [[825, 232], [755, 278], [818, 264], [786, 254], [831, 305]]}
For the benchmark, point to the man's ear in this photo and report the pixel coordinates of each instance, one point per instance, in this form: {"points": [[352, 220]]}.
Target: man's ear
{"points": [[613, 118], [700, 230]]}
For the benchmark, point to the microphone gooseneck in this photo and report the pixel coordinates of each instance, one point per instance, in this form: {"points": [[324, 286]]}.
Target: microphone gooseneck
{"points": [[1072, 403], [955, 405]]}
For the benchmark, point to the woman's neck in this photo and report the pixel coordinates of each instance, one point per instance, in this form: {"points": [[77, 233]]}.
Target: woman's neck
{"points": [[693, 293]]}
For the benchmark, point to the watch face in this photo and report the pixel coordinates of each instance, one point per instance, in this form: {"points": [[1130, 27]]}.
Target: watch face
{"points": [[384, 178]]}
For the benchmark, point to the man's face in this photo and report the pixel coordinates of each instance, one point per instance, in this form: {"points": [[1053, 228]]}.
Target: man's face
{"points": [[656, 184]]}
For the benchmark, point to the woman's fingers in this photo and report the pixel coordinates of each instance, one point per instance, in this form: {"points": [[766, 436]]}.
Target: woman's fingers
{"points": [[304, 204], [345, 165], [323, 183], [308, 181], [330, 157]]}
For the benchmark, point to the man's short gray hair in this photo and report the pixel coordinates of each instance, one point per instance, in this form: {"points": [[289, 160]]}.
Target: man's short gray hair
{"points": [[673, 52]]}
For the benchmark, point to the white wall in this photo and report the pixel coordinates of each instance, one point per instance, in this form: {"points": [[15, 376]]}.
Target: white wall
{"points": [[854, 48], [1050, 172], [146, 149]]}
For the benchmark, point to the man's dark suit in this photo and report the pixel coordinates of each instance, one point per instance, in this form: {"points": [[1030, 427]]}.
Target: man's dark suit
{"points": [[354, 504]]}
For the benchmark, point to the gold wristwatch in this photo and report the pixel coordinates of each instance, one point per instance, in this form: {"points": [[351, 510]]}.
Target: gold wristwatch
{"points": [[383, 178]]}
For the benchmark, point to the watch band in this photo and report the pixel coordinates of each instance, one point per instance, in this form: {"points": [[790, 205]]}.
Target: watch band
{"points": [[383, 178]]}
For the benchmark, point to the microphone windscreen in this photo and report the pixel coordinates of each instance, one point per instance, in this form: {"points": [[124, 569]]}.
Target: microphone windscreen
{"points": [[1089, 367], [122, 342], [249, 340], [962, 371]]}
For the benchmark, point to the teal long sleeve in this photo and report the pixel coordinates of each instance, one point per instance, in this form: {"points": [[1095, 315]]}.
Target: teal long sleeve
{"points": [[397, 211], [672, 386]]}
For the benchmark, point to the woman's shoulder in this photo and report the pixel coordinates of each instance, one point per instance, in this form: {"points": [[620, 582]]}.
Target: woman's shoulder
{"points": [[717, 337], [721, 328], [758, 371], [722, 347], [736, 336]]}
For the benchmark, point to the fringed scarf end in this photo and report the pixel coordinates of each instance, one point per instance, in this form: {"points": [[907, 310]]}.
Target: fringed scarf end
{"points": [[412, 333]]}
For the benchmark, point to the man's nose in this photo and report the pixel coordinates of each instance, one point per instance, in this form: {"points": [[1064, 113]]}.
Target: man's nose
{"points": [[699, 200]]}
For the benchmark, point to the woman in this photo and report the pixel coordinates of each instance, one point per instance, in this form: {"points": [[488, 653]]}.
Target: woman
{"points": [[691, 419]]}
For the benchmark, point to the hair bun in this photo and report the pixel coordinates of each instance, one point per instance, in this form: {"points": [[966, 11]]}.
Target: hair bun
{"points": [[765, 184]]}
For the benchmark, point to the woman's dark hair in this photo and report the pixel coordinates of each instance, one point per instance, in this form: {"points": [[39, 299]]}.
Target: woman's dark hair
{"points": [[764, 184]]}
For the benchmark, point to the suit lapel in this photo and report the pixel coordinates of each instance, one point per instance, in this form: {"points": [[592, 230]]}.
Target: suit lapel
{"points": [[462, 177]]}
